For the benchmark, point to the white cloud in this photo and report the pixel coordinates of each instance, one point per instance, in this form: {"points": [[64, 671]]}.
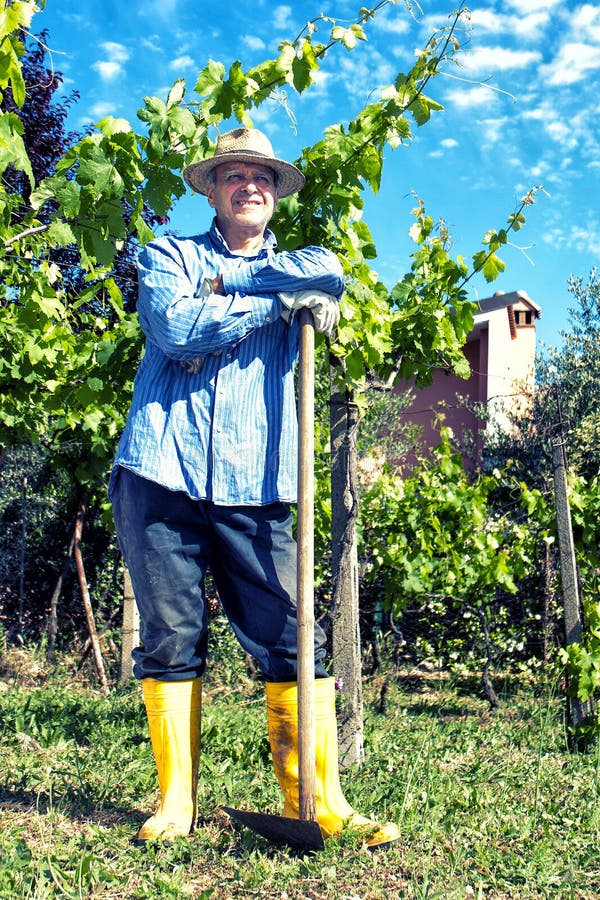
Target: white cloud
{"points": [[573, 62], [586, 17], [320, 78], [560, 132], [101, 109], [161, 9], [265, 115], [445, 144], [111, 68], [390, 23], [527, 26], [116, 52], [107, 71], [568, 133], [493, 129], [487, 20], [253, 42], [162, 91], [577, 231], [182, 62], [466, 98], [488, 59], [362, 76], [587, 236], [585, 24], [151, 43], [554, 236], [573, 138], [281, 17], [537, 171], [524, 7], [539, 113]]}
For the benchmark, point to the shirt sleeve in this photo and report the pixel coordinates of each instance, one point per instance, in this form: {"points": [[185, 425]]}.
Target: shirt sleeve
{"points": [[183, 323], [313, 268]]}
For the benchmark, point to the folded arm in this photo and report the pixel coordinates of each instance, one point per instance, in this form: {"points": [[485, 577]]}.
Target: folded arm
{"points": [[191, 309], [311, 277], [311, 268], [183, 316]]}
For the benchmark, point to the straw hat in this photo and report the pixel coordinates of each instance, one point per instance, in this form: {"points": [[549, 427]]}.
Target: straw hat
{"points": [[247, 145]]}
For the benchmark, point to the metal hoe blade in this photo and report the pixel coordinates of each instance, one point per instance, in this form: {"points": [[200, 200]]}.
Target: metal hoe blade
{"points": [[296, 833]]}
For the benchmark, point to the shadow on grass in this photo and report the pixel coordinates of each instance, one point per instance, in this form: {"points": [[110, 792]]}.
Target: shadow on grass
{"points": [[77, 809], [445, 711]]}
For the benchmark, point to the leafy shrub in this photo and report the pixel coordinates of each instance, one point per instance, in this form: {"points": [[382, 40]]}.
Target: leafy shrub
{"points": [[457, 548]]}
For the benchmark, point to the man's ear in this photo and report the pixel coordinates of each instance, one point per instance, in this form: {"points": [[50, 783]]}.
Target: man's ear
{"points": [[210, 197]]}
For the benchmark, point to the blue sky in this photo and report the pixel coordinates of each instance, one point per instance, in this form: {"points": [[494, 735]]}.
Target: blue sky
{"points": [[520, 110]]}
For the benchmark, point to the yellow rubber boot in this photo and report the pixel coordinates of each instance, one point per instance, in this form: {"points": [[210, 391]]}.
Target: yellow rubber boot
{"points": [[333, 811], [173, 709]]}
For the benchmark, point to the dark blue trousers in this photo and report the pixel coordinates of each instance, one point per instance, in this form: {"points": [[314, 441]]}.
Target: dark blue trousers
{"points": [[169, 541]]}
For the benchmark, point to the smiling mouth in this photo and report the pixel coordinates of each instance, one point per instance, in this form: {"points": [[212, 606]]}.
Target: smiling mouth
{"points": [[248, 204]]}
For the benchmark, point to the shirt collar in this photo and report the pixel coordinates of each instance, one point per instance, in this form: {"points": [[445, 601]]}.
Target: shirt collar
{"points": [[270, 241]]}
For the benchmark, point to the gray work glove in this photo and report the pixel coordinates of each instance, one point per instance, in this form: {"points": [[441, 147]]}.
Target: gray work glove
{"points": [[324, 307]]}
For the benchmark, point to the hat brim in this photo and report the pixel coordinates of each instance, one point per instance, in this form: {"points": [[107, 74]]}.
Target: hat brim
{"points": [[291, 179]]}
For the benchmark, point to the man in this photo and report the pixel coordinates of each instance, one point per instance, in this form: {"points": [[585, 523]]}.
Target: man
{"points": [[206, 470]]}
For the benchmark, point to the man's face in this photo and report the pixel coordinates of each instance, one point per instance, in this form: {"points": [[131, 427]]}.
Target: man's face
{"points": [[244, 196]]}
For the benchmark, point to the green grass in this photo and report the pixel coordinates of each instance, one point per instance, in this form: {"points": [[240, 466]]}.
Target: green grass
{"points": [[490, 806]]}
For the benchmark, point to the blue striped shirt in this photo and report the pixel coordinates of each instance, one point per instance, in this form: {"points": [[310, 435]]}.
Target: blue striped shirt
{"points": [[213, 410]]}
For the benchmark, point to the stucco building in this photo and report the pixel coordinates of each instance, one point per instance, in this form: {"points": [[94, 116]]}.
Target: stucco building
{"points": [[501, 351]]}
